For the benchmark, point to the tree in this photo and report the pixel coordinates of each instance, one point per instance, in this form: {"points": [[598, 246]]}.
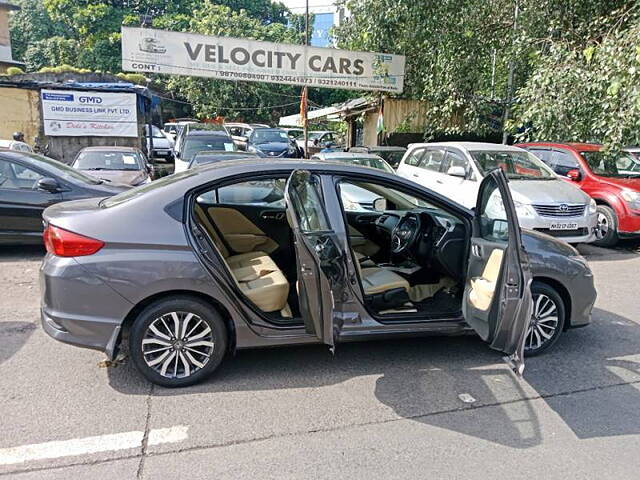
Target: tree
{"points": [[586, 91], [459, 52], [31, 24]]}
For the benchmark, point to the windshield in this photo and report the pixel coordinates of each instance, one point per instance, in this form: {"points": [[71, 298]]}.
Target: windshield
{"points": [[269, 136], [372, 162], [610, 166], [393, 158], [517, 165], [314, 135], [63, 170], [193, 145], [96, 160], [157, 133]]}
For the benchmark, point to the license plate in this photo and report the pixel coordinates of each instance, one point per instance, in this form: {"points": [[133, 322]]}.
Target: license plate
{"points": [[564, 226]]}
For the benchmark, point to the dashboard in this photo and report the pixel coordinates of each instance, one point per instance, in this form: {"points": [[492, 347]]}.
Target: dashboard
{"points": [[441, 241]]}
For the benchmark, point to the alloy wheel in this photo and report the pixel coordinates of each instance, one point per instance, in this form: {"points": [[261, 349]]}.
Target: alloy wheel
{"points": [[177, 344], [602, 227], [544, 322]]}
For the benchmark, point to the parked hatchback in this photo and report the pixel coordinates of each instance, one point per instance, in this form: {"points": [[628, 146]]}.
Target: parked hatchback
{"points": [[544, 202], [29, 183], [126, 165], [615, 189], [250, 254]]}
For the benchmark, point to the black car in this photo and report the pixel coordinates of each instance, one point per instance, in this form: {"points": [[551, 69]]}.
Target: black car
{"points": [[393, 155], [200, 138], [29, 183], [202, 158], [272, 142]]}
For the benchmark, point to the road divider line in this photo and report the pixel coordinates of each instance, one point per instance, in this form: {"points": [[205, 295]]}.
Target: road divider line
{"points": [[88, 445]]}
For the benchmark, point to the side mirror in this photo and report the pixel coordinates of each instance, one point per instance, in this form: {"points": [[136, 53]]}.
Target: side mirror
{"points": [[176, 154], [315, 141], [500, 229], [457, 171], [574, 175], [48, 184], [380, 204]]}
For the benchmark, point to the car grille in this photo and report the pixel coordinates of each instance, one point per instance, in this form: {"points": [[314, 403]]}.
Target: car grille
{"points": [[564, 233], [560, 210]]}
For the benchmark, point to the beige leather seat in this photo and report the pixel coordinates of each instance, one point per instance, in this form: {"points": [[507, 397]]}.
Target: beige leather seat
{"points": [[378, 280], [255, 273], [483, 288]]}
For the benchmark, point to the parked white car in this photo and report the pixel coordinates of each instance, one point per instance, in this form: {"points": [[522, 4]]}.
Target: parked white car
{"points": [[15, 145], [544, 202]]}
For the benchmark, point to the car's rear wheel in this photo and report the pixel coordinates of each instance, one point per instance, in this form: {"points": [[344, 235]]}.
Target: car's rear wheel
{"points": [[607, 227], [178, 341], [547, 319]]}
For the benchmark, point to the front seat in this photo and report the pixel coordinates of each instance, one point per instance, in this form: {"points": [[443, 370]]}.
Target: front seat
{"points": [[379, 280]]}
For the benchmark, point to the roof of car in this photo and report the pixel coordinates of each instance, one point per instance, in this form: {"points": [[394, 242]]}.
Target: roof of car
{"points": [[381, 148], [471, 146], [106, 148], [579, 147]]}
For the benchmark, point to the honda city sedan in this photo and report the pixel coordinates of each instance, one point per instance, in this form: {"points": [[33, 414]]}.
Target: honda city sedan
{"points": [[246, 254]]}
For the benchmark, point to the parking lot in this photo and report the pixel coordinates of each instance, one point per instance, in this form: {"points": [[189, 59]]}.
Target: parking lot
{"points": [[374, 410]]}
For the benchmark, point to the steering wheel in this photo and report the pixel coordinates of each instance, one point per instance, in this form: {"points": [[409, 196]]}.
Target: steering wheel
{"points": [[405, 233]]}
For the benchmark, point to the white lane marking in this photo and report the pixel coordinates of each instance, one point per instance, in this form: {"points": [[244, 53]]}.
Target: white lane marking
{"points": [[88, 445]]}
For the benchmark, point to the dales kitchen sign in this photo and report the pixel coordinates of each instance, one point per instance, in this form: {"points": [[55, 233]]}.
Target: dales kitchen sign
{"points": [[161, 51]]}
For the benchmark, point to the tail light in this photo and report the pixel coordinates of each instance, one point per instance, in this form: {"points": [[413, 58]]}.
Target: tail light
{"points": [[64, 243]]}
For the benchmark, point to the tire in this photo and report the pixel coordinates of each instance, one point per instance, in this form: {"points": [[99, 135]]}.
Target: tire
{"points": [[171, 360], [542, 319], [607, 230]]}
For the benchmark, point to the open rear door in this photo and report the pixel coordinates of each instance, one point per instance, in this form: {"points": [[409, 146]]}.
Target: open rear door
{"points": [[497, 297], [320, 261]]}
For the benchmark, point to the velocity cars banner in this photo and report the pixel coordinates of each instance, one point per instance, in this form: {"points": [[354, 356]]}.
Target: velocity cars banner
{"points": [[161, 51]]}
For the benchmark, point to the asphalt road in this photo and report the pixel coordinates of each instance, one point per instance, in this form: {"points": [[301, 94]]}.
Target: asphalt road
{"points": [[374, 410]]}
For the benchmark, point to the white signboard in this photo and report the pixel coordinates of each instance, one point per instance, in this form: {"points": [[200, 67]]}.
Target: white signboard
{"points": [[161, 51], [72, 113]]}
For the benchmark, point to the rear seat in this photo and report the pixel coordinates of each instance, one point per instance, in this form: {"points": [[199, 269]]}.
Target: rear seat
{"points": [[257, 275]]}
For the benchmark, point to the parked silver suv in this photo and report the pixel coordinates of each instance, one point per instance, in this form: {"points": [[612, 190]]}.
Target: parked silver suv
{"points": [[544, 201]]}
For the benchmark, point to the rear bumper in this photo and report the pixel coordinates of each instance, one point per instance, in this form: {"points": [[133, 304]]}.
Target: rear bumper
{"points": [[583, 299], [78, 308]]}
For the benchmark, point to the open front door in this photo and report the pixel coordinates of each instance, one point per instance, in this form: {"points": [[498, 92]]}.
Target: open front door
{"points": [[497, 296], [320, 261]]}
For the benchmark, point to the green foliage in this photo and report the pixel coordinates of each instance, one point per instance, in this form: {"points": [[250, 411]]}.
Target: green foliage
{"points": [[136, 78], [14, 71], [451, 47], [52, 51], [31, 24], [64, 68], [590, 94]]}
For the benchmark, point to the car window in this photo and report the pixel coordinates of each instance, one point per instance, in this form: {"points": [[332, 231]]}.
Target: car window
{"points": [[17, 177], [517, 165], [456, 159], [414, 157], [542, 154], [105, 160], [432, 160], [308, 204], [268, 192], [562, 162], [197, 143], [493, 215]]}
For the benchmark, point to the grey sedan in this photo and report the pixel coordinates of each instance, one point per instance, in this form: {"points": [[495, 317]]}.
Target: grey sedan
{"points": [[248, 254]]}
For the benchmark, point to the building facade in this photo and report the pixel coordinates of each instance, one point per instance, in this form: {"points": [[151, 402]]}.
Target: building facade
{"points": [[325, 15]]}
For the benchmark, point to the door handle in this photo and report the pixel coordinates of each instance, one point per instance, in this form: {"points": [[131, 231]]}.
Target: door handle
{"points": [[439, 181], [416, 175], [476, 250]]}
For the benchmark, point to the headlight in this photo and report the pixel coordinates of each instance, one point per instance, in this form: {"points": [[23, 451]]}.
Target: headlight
{"points": [[632, 198], [524, 210], [592, 206]]}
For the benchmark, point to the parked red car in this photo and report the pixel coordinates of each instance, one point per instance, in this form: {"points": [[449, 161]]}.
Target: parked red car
{"points": [[615, 189]]}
